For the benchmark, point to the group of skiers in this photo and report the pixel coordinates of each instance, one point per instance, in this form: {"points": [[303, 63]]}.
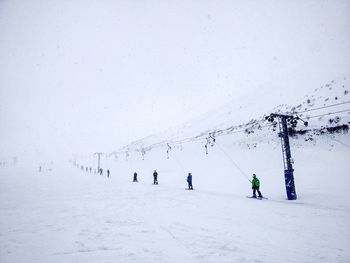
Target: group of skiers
{"points": [[255, 183], [101, 172], [155, 179], [88, 169]]}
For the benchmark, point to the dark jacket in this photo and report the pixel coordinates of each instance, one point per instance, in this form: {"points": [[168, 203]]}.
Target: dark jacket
{"points": [[189, 178]]}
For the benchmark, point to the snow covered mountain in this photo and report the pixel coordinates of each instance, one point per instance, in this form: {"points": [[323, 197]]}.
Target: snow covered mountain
{"points": [[322, 107]]}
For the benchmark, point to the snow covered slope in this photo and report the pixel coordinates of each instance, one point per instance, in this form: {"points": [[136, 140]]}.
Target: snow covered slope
{"points": [[322, 107], [70, 215]]}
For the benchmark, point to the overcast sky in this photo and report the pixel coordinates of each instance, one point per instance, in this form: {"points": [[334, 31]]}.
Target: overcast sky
{"points": [[85, 76]]}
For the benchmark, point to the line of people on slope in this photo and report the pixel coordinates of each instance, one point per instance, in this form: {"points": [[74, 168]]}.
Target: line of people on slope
{"points": [[255, 183], [88, 169], [155, 179], [101, 172]]}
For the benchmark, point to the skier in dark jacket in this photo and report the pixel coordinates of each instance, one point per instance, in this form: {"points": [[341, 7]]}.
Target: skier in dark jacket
{"points": [[256, 186], [189, 181], [155, 177], [108, 173], [135, 177]]}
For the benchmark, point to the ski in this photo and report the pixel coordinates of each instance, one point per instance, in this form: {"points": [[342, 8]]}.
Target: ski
{"points": [[252, 197], [259, 198]]}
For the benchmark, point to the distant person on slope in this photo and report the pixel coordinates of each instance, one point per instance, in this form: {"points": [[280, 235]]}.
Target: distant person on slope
{"points": [[256, 186], [135, 177], [155, 177], [108, 172], [189, 181]]}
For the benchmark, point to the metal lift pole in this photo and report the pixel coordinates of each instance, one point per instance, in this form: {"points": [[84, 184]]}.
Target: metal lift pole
{"points": [[287, 162]]}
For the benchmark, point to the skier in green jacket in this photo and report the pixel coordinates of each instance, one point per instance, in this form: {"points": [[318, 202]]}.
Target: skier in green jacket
{"points": [[256, 186]]}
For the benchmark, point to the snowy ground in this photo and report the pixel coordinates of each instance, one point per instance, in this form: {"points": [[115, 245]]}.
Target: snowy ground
{"points": [[67, 215]]}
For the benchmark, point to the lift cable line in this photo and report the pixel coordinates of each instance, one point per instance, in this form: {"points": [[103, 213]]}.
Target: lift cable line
{"points": [[202, 138], [179, 163], [329, 113], [233, 162], [324, 107], [194, 139], [340, 142]]}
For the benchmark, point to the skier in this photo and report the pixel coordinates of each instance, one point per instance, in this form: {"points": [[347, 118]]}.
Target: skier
{"points": [[101, 171], [256, 186], [135, 177], [189, 181], [155, 177], [108, 173]]}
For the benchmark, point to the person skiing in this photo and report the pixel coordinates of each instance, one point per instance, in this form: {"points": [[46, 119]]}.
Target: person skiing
{"points": [[256, 186], [189, 181], [155, 177], [108, 173], [135, 177]]}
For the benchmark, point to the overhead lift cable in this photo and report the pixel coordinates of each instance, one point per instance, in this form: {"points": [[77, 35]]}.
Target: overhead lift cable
{"points": [[329, 113], [233, 162], [344, 144], [324, 107]]}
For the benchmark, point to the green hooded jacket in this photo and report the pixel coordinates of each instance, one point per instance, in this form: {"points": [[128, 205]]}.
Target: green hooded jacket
{"points": [[255, 182]]}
